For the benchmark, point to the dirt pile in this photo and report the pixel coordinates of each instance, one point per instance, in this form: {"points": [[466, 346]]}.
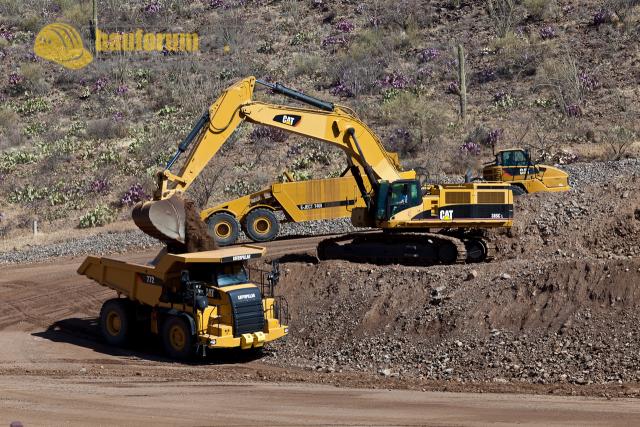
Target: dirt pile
{"points": [[594, 220], [560, 321]]}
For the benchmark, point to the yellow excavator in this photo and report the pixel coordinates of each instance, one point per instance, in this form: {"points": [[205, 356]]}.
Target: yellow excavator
{"points": [[421, 225]]}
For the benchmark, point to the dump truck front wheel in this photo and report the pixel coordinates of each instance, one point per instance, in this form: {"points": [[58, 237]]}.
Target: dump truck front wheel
{"points": [[224, 228], [177, 338], [115, 321], [261, 225]]}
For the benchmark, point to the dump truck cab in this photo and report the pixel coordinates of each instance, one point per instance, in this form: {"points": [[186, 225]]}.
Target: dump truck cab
{"points": [[514, 166], [194, 301]]}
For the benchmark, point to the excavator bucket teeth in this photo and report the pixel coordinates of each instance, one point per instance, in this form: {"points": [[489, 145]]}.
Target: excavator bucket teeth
{"points": [[162, 219]]}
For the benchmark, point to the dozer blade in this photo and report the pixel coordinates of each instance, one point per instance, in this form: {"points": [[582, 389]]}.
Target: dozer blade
{"points": [[162, 219]]}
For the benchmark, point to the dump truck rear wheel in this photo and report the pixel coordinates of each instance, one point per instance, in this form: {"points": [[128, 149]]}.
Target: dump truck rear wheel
{"points": [[224, 228], [115, 321], [177, 338], [261, 225]]}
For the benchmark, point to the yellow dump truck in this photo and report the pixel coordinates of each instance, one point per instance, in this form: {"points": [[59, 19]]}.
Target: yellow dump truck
{"points": [[299, 201], [194, 301]]}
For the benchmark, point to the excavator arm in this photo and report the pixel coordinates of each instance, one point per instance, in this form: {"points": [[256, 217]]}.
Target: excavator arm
{"points": [[164, 218], [335, 126]]}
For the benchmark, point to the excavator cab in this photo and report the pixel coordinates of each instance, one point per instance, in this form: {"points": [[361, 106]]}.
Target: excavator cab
{"points": [[397, 196]]}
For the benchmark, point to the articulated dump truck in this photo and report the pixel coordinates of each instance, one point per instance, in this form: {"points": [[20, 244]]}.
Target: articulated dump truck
{"points": [[194, 301]]}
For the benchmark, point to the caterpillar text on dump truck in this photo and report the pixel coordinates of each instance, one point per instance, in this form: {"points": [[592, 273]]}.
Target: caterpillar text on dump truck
{"points": [[514, 166], [194, 301], [437, 223]]}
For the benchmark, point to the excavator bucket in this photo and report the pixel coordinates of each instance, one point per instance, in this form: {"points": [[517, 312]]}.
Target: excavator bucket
{"points": [[162, 219]]}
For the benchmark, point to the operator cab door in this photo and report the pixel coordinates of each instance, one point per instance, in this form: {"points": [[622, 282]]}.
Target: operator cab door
{"points": [[516, 165], [399, 195]]}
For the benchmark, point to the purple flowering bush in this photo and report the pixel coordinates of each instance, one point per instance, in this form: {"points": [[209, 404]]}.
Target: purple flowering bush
{"points": [[133, 195], [100, 84], [573, 110], [402, 141], [122, 89], [100, 186], [602, 16], [470, 148], [548, 32], [152, 8], [395, 80], [342, 90], [428, 55], [345, 26], [588, 82]]}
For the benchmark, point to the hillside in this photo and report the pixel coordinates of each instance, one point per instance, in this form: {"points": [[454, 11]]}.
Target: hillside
{"points": [[78, 148]]}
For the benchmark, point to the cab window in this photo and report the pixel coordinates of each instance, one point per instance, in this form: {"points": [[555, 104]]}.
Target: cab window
{"points": [[512, 158], [231, 274], [403, 195]]}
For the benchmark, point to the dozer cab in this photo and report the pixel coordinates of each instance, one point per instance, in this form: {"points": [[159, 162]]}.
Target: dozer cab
{"points": [[193, 301], [514, 166]]}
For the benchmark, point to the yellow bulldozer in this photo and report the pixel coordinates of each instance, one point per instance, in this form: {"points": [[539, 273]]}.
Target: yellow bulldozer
{"points": [[434, 223], [514, 167]]}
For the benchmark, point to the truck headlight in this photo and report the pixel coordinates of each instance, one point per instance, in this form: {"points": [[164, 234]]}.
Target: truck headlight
{"points": [[286, 330], [212, 342]]}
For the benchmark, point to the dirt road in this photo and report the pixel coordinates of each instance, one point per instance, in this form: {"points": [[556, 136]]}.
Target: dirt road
{"points": [[54, 369], [81, 402]]}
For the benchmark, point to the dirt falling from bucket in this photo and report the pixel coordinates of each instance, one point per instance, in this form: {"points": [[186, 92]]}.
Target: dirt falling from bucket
{"points": [[197, 238]]}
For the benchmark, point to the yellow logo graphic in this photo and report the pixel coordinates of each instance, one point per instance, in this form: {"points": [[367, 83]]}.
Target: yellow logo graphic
{"points": [[61, 43]]}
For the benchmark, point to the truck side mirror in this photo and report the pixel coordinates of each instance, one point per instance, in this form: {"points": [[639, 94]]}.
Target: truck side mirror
{"points": [[184, 277]]}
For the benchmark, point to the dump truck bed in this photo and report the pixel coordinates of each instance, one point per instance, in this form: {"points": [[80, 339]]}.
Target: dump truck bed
{"points": [[144, 282]]}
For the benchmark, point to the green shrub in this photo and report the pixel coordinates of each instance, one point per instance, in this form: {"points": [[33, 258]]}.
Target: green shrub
{"points": [[27, 194], [10, 161], [99, 216], [33, 105]]}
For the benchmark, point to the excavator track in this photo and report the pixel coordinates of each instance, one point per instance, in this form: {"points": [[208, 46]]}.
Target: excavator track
{"points": [[479, 249], [395, 248]]}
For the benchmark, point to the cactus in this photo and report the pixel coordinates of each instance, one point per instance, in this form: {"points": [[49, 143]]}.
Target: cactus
{"points": [[462, 79]]}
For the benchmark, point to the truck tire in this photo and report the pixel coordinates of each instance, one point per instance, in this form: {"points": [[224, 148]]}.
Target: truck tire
{"points": [[518, 191], [224, 228], [115, 321], [177, 338], [261, 225]]}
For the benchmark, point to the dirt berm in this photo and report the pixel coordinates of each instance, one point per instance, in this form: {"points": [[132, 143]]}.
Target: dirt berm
{"points": [[561, 303]]}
